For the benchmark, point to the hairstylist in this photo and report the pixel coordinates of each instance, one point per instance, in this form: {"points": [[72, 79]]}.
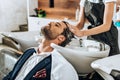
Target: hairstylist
{"points": [[99, 14]]}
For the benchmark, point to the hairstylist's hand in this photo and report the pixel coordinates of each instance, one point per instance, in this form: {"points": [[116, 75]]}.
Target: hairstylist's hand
{"points": [[76, 31]]}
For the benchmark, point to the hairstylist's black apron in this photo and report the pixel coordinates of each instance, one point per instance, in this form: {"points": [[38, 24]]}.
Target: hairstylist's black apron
{"points": [[94, 13]]}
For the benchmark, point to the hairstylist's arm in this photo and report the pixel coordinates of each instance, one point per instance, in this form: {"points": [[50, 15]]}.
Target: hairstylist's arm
{"points": [[108, 15], [81, 22], [80, 25]]}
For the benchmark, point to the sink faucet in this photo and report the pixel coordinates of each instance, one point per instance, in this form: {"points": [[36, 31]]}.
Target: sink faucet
{"points": [[80, 42]]}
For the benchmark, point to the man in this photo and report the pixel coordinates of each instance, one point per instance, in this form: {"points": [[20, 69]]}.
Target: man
{"points": [[45, 63]]}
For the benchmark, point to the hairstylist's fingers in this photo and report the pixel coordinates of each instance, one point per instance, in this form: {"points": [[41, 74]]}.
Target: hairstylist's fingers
{"points": [[72, 29], [77, 32], [70, 26]]}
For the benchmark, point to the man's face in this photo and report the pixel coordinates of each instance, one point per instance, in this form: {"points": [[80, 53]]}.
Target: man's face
{"points": [[54, 29]]}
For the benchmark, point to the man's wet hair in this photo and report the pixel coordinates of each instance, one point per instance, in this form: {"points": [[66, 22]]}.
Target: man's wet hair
{"points": [[68, 35]]}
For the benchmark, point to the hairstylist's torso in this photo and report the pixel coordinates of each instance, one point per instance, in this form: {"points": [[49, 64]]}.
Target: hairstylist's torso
{"points": [[95, 1]]}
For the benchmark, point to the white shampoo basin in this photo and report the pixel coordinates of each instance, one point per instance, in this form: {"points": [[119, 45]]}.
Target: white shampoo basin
{"points": [[82, 57]]}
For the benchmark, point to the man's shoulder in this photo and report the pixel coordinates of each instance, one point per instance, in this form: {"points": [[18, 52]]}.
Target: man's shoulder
{"points": [[29, 51]]}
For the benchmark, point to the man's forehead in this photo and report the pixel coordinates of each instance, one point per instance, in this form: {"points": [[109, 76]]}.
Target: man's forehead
{"points": [[63, 23]]}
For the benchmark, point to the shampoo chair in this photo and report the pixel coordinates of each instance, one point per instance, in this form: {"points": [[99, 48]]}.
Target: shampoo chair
{"points": [[108, 68], [82, 54]]}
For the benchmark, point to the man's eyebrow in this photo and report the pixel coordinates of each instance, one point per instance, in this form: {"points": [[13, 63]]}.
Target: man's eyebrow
{"points": [[58, 23]]}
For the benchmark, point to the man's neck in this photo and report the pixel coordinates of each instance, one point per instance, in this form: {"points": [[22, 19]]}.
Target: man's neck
{"points": [[45, 46]]}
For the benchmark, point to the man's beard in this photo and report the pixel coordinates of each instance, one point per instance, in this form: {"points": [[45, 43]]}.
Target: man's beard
{"points": [[47, 33]]}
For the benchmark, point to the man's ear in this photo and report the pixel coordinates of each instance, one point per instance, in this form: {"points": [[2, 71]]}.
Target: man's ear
{"points": [[61, 38]]}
